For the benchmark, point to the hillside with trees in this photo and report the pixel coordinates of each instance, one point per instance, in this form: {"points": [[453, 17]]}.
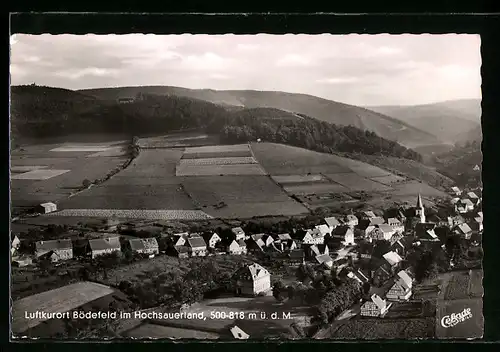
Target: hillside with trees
{"points": [[43, 112], [321, 109], [459, 163]]}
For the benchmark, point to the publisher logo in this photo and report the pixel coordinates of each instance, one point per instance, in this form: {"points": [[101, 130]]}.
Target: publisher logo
{"points": [[453, 319]]}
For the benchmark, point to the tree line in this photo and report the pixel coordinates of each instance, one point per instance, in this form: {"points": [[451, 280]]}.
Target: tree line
{"points": [[49, 112]]}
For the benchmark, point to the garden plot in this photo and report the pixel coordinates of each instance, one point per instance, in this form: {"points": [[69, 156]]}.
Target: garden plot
{"points": [[213, 170], [135, 214], [298, 178], [38, 174], [357, 183], [318, 188], [219, 161], [172, 141], [212, 190], [145, 180], [388, 180], [227, 154]]}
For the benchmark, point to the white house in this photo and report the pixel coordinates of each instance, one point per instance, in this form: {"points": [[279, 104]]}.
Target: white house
{"points": [[392, 258], [313, 236], [401, 290], [345, 234], [376, 307], [197, 246], [144, 245], [14, 244], [46, 208], [252, 280], [101, 246], [456, 191], [235, 248], [62, 249], [464, 231], [212, 239], [324, 229]]}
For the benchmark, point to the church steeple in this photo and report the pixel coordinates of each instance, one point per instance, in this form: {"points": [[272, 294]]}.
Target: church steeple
{"points": [[419, 210]]}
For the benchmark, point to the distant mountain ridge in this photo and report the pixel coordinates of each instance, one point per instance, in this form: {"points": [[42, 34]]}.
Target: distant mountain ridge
{"points": [[447, 120], [319, 108]]}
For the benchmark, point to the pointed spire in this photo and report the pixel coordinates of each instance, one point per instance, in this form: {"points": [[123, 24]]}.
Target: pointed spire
{"points": [[419, 202]]}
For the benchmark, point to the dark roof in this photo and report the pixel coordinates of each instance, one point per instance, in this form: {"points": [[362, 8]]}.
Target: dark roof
{"points": [[104, 243], [53, 245], [241, 243], [136, 244], [181, 249], [196, 242], [296, 254]]}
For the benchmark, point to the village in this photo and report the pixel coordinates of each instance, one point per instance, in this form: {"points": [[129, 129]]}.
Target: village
{"points": [[384, 255]]}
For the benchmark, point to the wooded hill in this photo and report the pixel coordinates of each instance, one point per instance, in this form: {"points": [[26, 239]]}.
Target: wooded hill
{"points": [[319, 108], [46, 112]]}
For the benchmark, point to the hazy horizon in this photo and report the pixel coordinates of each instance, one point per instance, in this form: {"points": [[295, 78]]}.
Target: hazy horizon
{"points": [[362, 70]]}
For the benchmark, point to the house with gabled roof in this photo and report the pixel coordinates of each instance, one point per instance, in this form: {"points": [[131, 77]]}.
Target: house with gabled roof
{"points": [[283, 237], [382, 232], [344, 234], [464, 206], [180, 251], [325, 259], [456, 191], [197, 246], [359, 275], [58, 249], [211, 239], [101, 246], [375, 307], [255, 244], [238, 232], [392, 258], [252, 279], [454, 201], [365, 250], [143, 245], [363, 229], [15, 243], [180, 239], [383, 272], [367, 214], [351, 220], [403, 245], [324, 229], [402, 288], [313, 236], [317, 249], [472, 195], [455, 220], [234, 248], [296, 257], [463, 230], [332, 222]]}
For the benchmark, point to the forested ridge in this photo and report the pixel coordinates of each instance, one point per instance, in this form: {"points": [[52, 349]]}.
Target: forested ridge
{"points": [[46, 112]]}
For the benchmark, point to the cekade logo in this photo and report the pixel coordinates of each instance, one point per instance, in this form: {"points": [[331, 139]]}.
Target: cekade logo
{"points": [[449, 321]]}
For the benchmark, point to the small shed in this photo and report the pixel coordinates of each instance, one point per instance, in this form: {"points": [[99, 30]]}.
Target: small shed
{"points": [[46, 208]]}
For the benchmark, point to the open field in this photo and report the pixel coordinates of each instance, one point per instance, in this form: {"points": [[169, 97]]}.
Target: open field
{"points": [[211, 190], [298, 178], [411, 188], [218, 149], [389, 179], [214, 170], [225, 154], [39, 174], [318, 188], [80, 148], [177, 141], [357, 183], [170, 198], [134, 214], [219, 161], [55, 301]]}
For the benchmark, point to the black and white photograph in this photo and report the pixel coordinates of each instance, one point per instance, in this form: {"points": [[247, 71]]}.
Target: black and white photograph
{"points": [[246, 187]]}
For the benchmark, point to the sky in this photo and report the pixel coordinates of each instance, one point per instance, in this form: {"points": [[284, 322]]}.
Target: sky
{"points": [[364, 70]]}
